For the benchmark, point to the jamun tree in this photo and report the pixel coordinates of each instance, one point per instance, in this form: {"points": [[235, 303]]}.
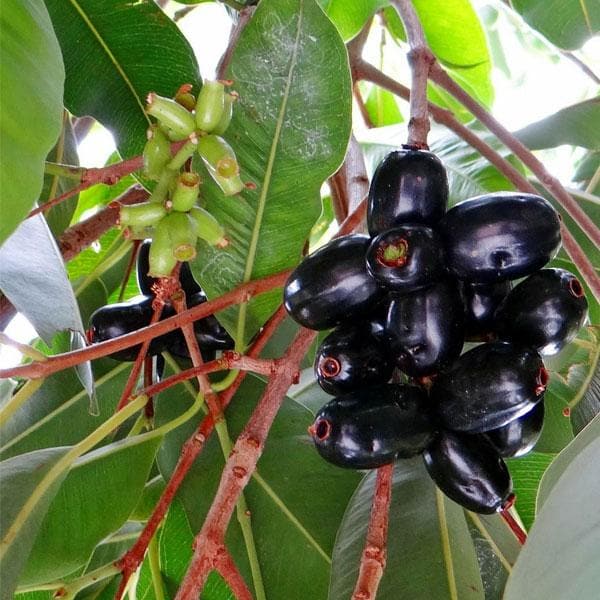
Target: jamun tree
{"points": [[154, 436]]}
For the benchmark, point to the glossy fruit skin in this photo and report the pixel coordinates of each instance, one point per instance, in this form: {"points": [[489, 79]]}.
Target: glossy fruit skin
{"points": [[518, 437], [115, 320], [422, 264], [425, 328], [545, 311], [481, 301], [374, 426], [145, 282], [489, 386], [332, 285], [499, 236], [469, 471], [350, 358], [408, 186]]}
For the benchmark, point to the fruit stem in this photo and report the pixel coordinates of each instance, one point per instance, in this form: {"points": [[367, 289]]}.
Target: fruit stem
{"points": [[65, 171], [514, 526]]}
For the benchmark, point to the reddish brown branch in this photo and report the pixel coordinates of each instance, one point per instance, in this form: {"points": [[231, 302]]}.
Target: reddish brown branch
{"points": [[239, 468], [191, 449], [69, 359], [366, 71], [420, 59], [372, 563], [228, 570], [550, 183], [244, 16], [520, 534]]}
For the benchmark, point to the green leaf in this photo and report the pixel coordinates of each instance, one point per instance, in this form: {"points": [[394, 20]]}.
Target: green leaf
{"points": [[559, 559], [57, 414], [131, 49], [95, 499], [290, 130], [34, 279], [456, 37], [568, 24], [430, 552], [31, 78], [565, 459], [382, 107], [296, 496], [19, 478], [571, 125], [350, 16], [526, 473]]}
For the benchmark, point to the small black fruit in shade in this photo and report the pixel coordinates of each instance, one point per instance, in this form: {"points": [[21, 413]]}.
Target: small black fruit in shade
{"points": [[406, 258], [408, 186], [372, 427], [425, 328], [145, 282], [489, 386], [469, 470], [504, 235], [332, 285], [114, 320], [520, 435], [350, 358], [545, 311], [481, 301]]}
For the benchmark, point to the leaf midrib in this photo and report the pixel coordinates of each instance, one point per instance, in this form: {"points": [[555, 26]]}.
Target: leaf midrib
{"points": [[445, 539], [110, 55], [266, 182]]}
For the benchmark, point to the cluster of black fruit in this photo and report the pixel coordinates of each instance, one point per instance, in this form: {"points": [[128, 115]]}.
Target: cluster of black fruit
{"points": [[114, 320], [405, 299]]}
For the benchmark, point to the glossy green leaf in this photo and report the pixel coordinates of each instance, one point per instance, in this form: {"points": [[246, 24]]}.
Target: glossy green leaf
{"points": [[95, 499], [19, 478], [566, 23], [565, 458], [289, 130], [430, 552], [175, 547], [526, 473], [573, 125], [150, 496], [57, 414], [559, 559], [34, 279], [31, 77], [296, 496], [131, 48]]}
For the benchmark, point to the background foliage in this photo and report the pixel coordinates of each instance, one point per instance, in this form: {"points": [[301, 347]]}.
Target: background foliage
{"points": [[64, 60]]}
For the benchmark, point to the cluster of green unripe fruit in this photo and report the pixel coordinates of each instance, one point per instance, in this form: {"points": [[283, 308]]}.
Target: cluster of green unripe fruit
{"points": [[172, 216]]}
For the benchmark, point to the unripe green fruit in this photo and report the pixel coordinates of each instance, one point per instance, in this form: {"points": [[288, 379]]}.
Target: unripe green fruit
{"points": [[161, 259], [157, 153], [174, 240], [208, 228], [145, 214], [225, 119], [220, 160], [210, 105], [178, 121], [185, 191]]}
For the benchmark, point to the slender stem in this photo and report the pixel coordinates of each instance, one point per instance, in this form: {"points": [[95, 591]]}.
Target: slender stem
{"points": [[230, 573], [70, 359], [16, 401], [24, 349], [65, 171], [154, 563], [372, 563], [514, 526], [420, 59], [58, 200], [594, 181]]}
